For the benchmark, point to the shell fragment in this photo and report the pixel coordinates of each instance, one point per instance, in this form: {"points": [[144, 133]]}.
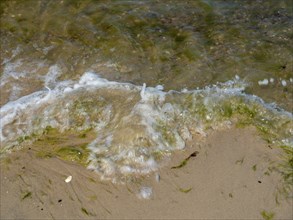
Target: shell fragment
{"points": [[68, 179]]}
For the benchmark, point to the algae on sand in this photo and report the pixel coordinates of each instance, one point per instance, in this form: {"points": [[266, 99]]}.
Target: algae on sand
{"points": [[184, 162], [69, 146], [26, 195], [267, 215]]}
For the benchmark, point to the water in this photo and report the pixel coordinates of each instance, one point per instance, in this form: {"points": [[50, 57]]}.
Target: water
{"points": [[144, 78]]}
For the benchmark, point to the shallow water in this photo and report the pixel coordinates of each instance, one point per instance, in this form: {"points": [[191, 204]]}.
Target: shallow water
{"points": [[145, 76]]}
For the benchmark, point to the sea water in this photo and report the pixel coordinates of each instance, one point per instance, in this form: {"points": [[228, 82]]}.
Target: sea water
{"points": [[146, 77]]}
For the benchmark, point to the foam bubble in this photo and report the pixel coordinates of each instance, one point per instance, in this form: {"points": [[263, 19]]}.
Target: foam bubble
{"points": [[263, 82], [284, 83], [145, 193]]}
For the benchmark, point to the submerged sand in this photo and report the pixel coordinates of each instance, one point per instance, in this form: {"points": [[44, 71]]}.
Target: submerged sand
{"points": [[231, 177]]}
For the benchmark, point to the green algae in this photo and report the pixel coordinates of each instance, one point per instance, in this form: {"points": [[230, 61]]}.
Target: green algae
{"points": [[92, 180], [78, 154], [69, 146], [247, 113], [267, 215], [185, 190], [285, 168], [43, 154], [184, 162], [254, 167], [22, 139], [212, 110], [49, 129], [84, 211], [26, 195]]}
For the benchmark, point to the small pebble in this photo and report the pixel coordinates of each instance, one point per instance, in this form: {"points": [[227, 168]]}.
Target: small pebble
{"points": [[68, 179]]}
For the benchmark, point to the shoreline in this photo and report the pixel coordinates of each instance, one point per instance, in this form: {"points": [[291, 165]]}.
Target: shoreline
{"points": [[231, 177]]}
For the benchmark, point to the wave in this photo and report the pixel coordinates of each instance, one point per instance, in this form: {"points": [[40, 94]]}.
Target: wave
{"points": [[136, 126]]}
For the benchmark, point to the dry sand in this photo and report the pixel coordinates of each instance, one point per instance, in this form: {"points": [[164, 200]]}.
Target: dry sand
{"points": [[230, 178]]}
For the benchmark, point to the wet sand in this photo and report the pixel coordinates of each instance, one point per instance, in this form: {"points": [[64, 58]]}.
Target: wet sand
{"points": [[231, 177]]}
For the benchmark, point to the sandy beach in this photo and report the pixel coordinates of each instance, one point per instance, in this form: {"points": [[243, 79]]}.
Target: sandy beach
{"points": [[146, 109], [231, 176]]}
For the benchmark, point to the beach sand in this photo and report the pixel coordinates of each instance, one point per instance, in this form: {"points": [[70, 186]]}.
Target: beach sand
{"points": [[231, 177]]}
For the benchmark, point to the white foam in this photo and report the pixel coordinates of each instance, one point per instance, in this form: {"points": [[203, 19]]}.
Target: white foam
{"points": [[145, 193], [11, 72], [52, 75], [17, 74], [90, 78], [284, 83], [152, 93], [67, 89], [263, 82], [160, 87]]}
